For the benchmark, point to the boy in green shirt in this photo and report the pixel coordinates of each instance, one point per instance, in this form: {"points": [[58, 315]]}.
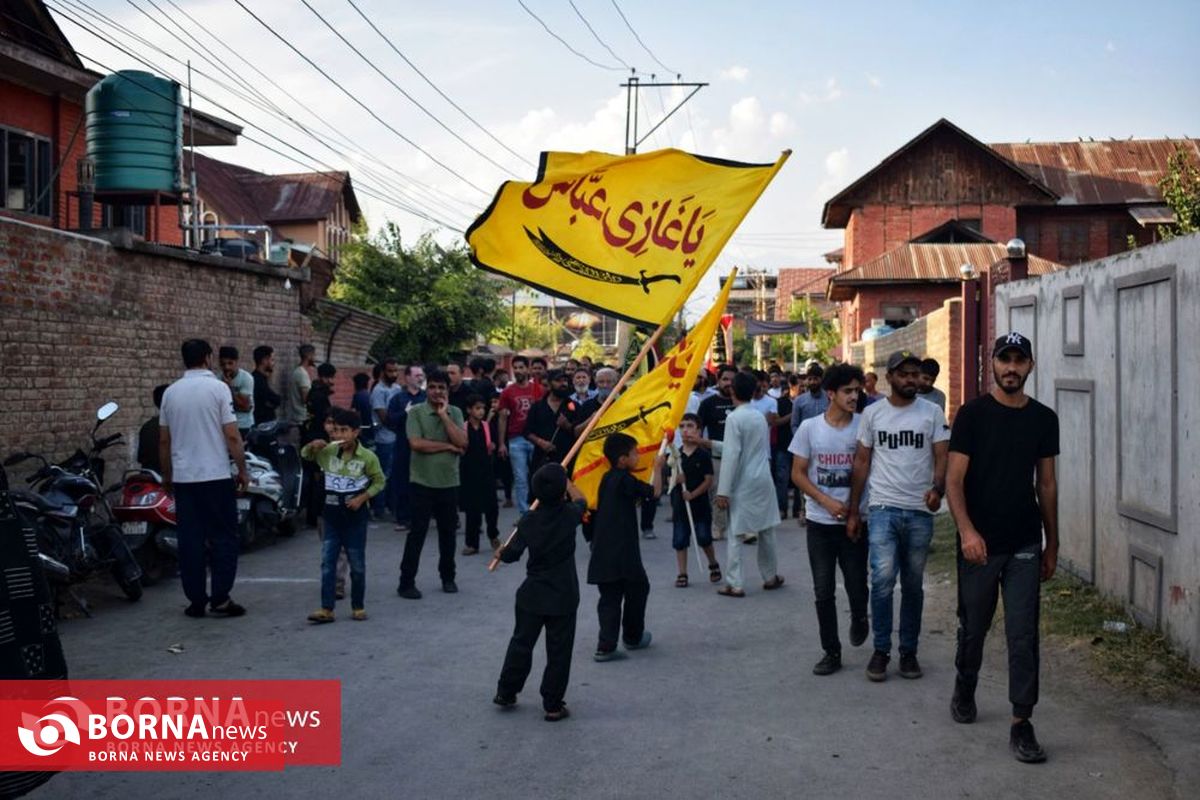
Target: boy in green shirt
{"points": [[352, 478]]}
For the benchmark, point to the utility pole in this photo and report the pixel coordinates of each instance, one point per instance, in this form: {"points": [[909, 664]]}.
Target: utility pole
{"points": [[632, 87]]}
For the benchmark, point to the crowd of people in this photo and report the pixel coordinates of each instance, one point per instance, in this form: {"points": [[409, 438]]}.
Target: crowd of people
{"points": [[863, 472]]}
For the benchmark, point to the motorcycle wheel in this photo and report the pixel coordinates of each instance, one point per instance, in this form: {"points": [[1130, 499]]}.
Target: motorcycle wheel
{"points": [[151, 562], [131, 587]]}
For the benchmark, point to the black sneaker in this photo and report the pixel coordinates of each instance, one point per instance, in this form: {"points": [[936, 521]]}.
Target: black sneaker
{"points": [[877, 668], [449, 587], [195, 610], [828, 665], [1024, 745], [859, 630], [227, 609], [557, 715], [909, 666], [505, 700], [409, 592], [962, 704]]}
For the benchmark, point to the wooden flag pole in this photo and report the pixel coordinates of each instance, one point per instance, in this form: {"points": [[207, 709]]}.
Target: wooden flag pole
{"points": [[591, 423]]}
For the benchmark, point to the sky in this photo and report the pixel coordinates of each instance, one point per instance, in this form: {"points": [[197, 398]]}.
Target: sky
{"points": [[842, 85]]}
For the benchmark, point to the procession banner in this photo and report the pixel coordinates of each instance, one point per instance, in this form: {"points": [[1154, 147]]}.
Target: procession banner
{"points": [[628, 236], [652, 406]]}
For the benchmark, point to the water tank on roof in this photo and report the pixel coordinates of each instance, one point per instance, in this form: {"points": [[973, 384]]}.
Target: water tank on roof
{"points": [[135, 132]]}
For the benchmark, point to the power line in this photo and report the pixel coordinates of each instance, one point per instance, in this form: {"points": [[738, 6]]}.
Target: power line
{"points": [[433, 85], [596, 36], [639, 40], [399, 89], [366, 189], [360, 103], [564, 42]]}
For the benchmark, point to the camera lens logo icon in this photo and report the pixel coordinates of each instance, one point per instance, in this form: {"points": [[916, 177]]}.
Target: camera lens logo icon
{"points": [[46, 735]]}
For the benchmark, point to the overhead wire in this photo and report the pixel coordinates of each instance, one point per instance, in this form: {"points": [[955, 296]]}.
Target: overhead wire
{"points": [[433, 85], [639, 40], [402, 91], [596, 36], [364, 188], [564, 42], [354, 98]]}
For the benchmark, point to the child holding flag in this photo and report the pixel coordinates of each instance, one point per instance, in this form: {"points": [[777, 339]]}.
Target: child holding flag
{"points": [[616, 567], [695, 477]]}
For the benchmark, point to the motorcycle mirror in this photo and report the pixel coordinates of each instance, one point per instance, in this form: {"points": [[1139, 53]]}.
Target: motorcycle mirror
{"points": [[105, 411]]}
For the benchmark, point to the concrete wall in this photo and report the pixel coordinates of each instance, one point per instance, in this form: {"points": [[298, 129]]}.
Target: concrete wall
{"points": [[935, 335], [1116, 358]]}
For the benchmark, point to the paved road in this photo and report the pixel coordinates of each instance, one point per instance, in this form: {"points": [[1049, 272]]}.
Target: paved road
{"points": [[722, 705]]}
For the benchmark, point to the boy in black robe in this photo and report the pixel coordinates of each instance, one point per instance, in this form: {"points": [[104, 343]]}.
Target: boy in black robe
{"points": [[616, 564], [549, 597]]}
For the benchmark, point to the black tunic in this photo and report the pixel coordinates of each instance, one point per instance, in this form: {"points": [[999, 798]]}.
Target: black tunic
{"points": [[551, 584], [616, 547], [476, 477]]}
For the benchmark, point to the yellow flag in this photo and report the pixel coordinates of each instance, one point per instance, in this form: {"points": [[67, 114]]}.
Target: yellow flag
{"points": [[652, 406], [628, 236]]}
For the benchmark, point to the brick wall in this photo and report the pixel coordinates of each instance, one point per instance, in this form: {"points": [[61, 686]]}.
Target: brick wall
{"points": [[935, 335], [83, 322], [876, 229]]}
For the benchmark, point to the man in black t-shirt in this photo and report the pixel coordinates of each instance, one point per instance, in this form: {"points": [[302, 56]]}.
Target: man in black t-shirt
{"points": [[1003, 493], [713, 411]]}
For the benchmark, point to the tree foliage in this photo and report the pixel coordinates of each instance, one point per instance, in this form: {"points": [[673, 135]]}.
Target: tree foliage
{"points": [[1181, 190], [525, 327], [437, 298], [588, 347]]}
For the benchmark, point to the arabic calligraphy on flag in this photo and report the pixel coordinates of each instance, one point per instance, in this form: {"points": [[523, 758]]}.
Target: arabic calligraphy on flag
{"points": [[629, 236], [652, 406]]}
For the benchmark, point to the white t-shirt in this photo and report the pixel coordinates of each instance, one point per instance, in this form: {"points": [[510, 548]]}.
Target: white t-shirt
{"points": [[766, 404], [243, 384], [196, 408], [830, 454], [902, 439]]}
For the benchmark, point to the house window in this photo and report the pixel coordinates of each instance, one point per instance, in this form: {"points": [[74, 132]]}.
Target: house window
{"points": [[898, 315], [25, 173], [1030, 233], [1119, 231], [132, 217], [1072, 242]]}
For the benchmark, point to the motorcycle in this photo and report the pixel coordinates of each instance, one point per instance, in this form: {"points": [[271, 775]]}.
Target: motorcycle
{"points": [[146, 512], [276, 478], [73, 520]]}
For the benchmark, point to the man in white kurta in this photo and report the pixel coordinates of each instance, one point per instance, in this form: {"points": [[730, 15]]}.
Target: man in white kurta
{"points": [[747, 488]]}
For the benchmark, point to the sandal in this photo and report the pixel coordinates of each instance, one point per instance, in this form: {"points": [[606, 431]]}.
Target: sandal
{"points": [[682, 581], [729, 591], [714, 573], [774, 583]]}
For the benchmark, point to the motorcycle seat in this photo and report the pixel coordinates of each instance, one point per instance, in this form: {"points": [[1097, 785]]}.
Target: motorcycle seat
{"points": [[36, 500], [144, 473]]}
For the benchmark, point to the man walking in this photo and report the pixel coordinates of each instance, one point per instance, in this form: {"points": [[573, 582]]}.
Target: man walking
{"points": [[241, 386], [385, 437], [198, 436], [713, 412], [930, 369], [812, 402], [437, 437], [410, 395], [902, 445], [266, 400], [515, 402], [1003, 493]]}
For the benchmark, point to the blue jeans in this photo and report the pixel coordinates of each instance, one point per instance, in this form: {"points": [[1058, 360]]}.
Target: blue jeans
{"points": [[385, 452], [899, 542], [681, 532], [344, 529], [520, 452], [782, 464]]}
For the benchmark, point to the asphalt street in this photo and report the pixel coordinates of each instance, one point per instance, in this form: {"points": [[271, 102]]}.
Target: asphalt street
{"points": [[723, 704]]}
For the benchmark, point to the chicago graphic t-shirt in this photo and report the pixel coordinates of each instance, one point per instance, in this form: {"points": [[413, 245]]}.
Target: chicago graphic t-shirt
{"points": [[902, 439], [830, 455]]}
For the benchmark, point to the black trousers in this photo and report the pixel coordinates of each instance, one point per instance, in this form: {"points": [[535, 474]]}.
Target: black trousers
{"points": [[622, 609], [1018, 576], [518, 661], [208, 539], [828, 549], [428, 504]]}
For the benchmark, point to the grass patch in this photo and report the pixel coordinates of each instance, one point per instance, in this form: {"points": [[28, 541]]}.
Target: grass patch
{"points": [[1073, 615]]}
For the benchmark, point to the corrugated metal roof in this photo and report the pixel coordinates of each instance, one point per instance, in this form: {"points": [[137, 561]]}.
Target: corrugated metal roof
{"points": [[1099, 173], [254, 197], [927, 262], [1152, 215]]}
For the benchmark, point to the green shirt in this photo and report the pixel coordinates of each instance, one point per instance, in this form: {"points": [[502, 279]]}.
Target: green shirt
{"points": [[434, 470], [350, 475]]}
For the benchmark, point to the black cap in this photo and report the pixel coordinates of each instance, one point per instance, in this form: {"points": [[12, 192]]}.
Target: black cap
{"points": [[901, 356], [1013, 341]]}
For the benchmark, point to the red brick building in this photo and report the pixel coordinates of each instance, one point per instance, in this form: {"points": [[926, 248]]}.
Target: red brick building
{"points": [[1070, 202], [803, 283]]}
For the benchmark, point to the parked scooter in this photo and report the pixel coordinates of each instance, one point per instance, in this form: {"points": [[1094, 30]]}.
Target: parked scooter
{"points": [[276, 477], [74, 523], [146, 512]]}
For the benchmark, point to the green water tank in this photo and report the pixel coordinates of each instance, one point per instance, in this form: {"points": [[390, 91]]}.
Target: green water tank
{"points": [[135, 132]]}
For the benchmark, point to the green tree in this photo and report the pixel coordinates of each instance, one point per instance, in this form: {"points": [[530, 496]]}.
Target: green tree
{"points": [[588, 347], [1180, 189], [821, 332], [526, 326], [437, 298]]}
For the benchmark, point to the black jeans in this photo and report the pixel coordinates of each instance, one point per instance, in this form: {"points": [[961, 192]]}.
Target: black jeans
{"points": [[829, 548], [208, 539], [629, 622], [440, 505], [1018, 576], [518, 661]]}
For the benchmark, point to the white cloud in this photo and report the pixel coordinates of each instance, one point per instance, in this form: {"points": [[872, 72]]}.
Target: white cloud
{"points": [[831, 93], [1110, 46], [874, 81], [735, 73], [837, 173], [781, 124], [832, 90]]}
